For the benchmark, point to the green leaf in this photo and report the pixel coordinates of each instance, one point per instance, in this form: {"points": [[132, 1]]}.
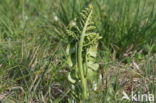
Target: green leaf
{"points": [[71, 79], [69, 60], [93, 66], [91, 75], [92, 51]]}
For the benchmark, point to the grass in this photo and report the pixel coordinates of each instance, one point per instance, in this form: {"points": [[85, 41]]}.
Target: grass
{"points": [[33, 41]]}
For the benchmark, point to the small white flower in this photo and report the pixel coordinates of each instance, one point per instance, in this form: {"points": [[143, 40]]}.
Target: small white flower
{"points": [[56, 18]]}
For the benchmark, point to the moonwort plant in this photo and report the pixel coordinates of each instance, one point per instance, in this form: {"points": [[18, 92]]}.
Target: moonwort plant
{"points": [[82, 51]]}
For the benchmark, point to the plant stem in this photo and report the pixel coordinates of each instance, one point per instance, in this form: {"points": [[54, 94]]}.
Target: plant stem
{"points": [[80, 60], [80, 67]]}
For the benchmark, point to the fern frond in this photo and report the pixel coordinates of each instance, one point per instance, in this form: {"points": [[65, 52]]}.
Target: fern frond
{"points": [[83, 31]]}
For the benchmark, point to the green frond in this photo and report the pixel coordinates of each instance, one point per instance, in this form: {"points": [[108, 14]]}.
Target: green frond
{"points": [[87, 41], [90, 28], [71, 34]]}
